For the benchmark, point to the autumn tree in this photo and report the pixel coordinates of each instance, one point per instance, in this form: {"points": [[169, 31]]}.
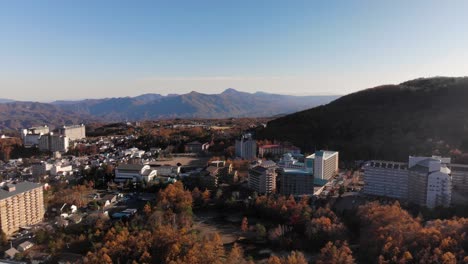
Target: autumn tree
{"points": [[295, 257], [245, 224], [176, 203], [336, 253], [324, 226], [390, 234], [197, 196], [236, 256]]}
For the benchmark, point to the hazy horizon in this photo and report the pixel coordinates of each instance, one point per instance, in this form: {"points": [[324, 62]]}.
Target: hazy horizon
{"points": [[59, 50]]}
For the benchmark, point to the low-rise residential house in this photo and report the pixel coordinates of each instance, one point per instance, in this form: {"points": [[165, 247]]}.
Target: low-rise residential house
{"points": [[25, 246], [11, 253]]}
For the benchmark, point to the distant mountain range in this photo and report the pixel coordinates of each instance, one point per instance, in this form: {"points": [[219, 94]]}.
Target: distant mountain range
{"points": [[3, 100], [418, 117], [230, 103]]}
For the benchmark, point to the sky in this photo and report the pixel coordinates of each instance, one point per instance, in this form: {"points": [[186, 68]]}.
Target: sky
{"points": [[65, 50]]}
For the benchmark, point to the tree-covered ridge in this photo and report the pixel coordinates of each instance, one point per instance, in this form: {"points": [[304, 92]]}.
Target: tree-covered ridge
{"points": [[423, 116]]}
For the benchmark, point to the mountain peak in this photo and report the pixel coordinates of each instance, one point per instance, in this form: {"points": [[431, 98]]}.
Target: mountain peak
{"points": [[230, 91]]}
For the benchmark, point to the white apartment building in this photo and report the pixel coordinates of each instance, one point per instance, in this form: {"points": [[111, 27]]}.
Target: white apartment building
{"points": [[73, 132], [134, 173], [246, 147], [425, 181], [262, 178], [323, 163], [429, 181]]}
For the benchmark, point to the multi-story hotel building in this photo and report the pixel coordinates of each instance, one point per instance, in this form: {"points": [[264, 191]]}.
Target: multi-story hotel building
{"points": [[31, 135], [246, 147], [386, 178], [426, 181], [262, 178], [21, 204], [53, 143], [296, 182], [73, 132], [323, 163]]}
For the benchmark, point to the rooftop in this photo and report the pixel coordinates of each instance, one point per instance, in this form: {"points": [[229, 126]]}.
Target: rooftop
{"points": [[325, 153], [387, 164], [194, 143], [20, 187], [130, 167], [259, 169], [297, 171], [270, 146]]}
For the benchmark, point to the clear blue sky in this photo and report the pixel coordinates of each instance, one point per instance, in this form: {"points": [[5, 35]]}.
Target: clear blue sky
{"points": [[87, 49]]}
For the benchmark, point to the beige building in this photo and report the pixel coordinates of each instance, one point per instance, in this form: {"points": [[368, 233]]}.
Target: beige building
{"points": [[323, 163], [262, 179], [73, 132], [21, 204]]}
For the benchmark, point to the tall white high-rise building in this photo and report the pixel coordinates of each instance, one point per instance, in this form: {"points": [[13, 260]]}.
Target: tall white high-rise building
{"points": [[323, 163], [246, 147]]}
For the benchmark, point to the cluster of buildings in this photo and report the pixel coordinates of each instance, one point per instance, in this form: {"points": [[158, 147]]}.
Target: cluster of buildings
{"points": [[216, 173], [47, 140], [293, 177], [277, 150], [246, 148], [426, 181]]}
